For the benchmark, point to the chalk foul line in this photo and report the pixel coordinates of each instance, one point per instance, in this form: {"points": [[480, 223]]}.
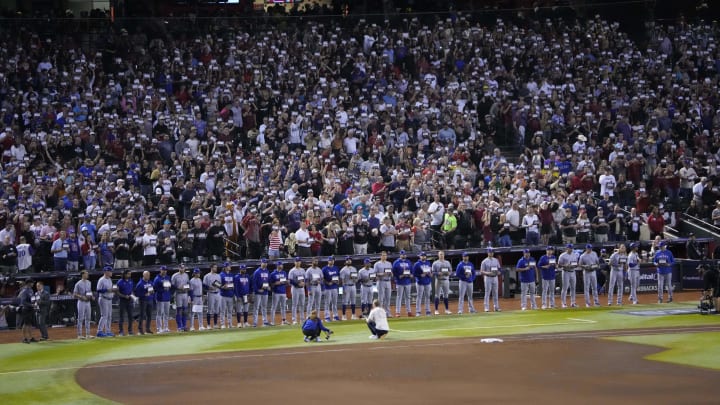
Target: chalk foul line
{"points": [[575, 321]]}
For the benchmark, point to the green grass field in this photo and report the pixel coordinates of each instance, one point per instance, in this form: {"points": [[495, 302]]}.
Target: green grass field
{"points": [[43, 373]]}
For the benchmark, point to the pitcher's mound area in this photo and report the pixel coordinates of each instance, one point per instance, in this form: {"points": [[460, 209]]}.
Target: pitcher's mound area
{"points": [[457, 371]]}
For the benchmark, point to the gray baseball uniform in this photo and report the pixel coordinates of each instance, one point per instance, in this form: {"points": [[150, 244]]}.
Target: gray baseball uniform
{"points": [[211, 281], [634, 275], [590, 263], [618, 264], [348, 279], [181, 284], [314, 279], [196, 299], [383, 272], [441, 270], [569, 263], [490, 268], [296, 276], [227, 299], [366, 275], [83, 288], [105, 300]]}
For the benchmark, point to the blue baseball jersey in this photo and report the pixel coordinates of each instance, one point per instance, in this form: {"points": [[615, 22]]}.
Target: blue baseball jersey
{"points": [[664, 261], [527, 276], [402, 271], [465, 271], [312, 325], [163, 288], [227, 280], [423, 272], [550, 261], [278, 276], [242, 284], [261, 281], [331, 275]]}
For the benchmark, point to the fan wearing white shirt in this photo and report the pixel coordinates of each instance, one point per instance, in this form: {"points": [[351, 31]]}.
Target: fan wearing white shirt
{"points": [[149, 242], [607, 182], [531, 223]]}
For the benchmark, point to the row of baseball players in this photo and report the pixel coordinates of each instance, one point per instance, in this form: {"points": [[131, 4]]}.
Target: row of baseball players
{"points": [[228, 292]]}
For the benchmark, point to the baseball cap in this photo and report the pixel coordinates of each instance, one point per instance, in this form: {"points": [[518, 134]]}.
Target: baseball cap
{"points": [[549, 248], [526, 250], [298, 259], [242, 266], [633, 245], [366, 260], [465, 254], [330, 258], [569, 246], [402, 252], [490, 249], [226, 264], [588, 246], [263, 260], [196, 270], [163, 268], [662, 243], [107, 268], [423, 254], [348, 258], [279, 264]]}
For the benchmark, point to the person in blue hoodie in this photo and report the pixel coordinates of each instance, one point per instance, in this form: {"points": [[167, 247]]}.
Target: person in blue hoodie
{"points": [[465, 271], [313, 326], [664, 261], [260, 288], [242, 299], [163, 291]]}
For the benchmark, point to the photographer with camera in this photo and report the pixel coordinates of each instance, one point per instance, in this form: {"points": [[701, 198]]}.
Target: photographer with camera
{"points": [[313, 326], [711, 292]]}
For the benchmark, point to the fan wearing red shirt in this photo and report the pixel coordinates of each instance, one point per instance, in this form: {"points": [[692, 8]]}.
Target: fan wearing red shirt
{"points": [[656, 223]]}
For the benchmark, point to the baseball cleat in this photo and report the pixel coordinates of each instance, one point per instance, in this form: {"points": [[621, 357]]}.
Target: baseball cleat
{"points": [[437, 312], [373, 337]]}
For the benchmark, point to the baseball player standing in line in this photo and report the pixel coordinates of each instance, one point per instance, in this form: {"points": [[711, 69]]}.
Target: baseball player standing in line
{"points": [[162, 287], [422, 270], [296, 276], [633, 261], [146, 297], [83, 293], [331, 280], [314, 280], [105, 298], [465, 271], [568, 262], [196, 299], [547, 270], [242, 296], [260, 288], [212, 283], [278, 281], [618, 267], [526, 267], [227, 296], [441, 270], [180, 283], [367, 280], [402, 272], [384, 274], [590, 263], [664, 261], [490, 269], [349, 278], [125, 303]]}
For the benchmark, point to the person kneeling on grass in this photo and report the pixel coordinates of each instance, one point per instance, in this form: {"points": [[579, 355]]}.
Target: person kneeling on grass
{"points": [[313, 326], [377, 321]]}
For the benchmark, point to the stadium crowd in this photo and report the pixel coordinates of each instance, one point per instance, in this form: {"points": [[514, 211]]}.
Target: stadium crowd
{"points": [[326, 138]]}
